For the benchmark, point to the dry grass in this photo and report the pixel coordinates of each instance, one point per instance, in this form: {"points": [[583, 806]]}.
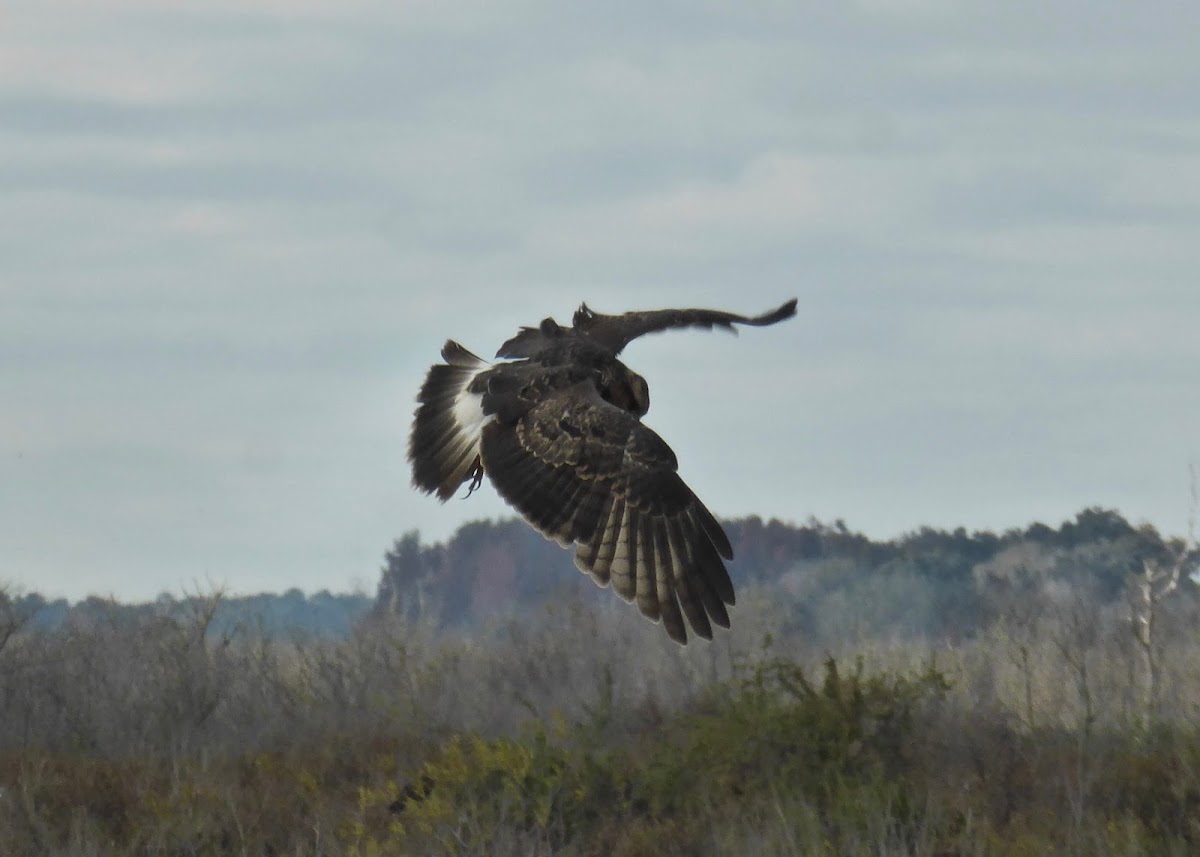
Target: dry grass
{"points": [[585, 731]]}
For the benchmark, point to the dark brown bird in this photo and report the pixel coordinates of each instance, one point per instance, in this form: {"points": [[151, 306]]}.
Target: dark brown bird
{"points": [[558, 430]]}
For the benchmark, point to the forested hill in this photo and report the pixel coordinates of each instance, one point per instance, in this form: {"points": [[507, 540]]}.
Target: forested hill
{"points": [[830, 580], [827, 580]]}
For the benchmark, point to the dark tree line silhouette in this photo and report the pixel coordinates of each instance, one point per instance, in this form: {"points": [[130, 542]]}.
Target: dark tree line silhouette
{"points": [[495, 568]]}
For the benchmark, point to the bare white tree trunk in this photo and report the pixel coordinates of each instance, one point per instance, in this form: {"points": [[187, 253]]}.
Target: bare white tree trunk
{"points": [[1147, 593]]}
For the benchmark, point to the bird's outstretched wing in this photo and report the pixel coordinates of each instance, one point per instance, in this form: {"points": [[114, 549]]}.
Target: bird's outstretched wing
{"points": [[529, 341], [616, 331], [584, 472]]}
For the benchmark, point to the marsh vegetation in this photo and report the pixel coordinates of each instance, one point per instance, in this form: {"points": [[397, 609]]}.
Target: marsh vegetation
{"points": [[1031, 692]]}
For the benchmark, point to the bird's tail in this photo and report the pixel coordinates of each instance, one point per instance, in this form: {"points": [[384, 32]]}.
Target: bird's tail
{"points": [[444, 445]]}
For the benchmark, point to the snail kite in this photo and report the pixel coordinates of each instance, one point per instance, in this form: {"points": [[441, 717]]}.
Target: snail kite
{"points": [[558, 429]]}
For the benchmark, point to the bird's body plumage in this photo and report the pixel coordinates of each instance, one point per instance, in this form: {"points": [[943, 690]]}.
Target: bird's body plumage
{"points": [[558, 431]]}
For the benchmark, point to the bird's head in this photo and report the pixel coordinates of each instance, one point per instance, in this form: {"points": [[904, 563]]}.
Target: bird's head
{"points": [[625, 388]]}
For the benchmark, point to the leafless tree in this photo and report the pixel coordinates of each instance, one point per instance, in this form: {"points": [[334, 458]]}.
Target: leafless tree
{"points": [[1147, 591]]}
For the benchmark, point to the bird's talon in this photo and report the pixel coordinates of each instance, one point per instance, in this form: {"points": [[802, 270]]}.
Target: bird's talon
{"points": [[476, 475]]}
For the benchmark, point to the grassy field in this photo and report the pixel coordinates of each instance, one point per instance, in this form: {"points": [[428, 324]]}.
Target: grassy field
{"points": [[585, 731]]}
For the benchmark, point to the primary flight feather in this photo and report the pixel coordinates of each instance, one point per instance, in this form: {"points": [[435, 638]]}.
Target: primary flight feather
{"points": [[558, 430]]}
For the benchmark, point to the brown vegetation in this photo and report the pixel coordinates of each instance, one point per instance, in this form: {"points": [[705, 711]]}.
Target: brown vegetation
{"points": [[581, 730]]}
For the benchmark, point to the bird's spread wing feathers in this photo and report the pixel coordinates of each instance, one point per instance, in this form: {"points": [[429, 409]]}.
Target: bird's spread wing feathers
{"points": [[584, 472], [616, 331], [531, 341], [558, 432]]}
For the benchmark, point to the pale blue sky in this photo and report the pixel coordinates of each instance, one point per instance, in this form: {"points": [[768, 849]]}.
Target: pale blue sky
{"points": [[233, 236]]}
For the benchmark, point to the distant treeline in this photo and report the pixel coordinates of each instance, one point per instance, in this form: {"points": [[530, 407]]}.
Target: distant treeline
{"points": [[833, 582], [321, 613]]}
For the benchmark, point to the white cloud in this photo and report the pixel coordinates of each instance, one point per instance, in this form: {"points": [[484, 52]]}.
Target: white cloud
{"points": [[773, 193], [202, 219]]}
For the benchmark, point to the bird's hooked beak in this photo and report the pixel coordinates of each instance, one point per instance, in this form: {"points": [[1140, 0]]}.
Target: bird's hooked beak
{"points": [[641, 394]]}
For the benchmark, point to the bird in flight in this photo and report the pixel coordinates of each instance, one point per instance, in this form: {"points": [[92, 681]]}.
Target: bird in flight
{"points": [[558, 429]]}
